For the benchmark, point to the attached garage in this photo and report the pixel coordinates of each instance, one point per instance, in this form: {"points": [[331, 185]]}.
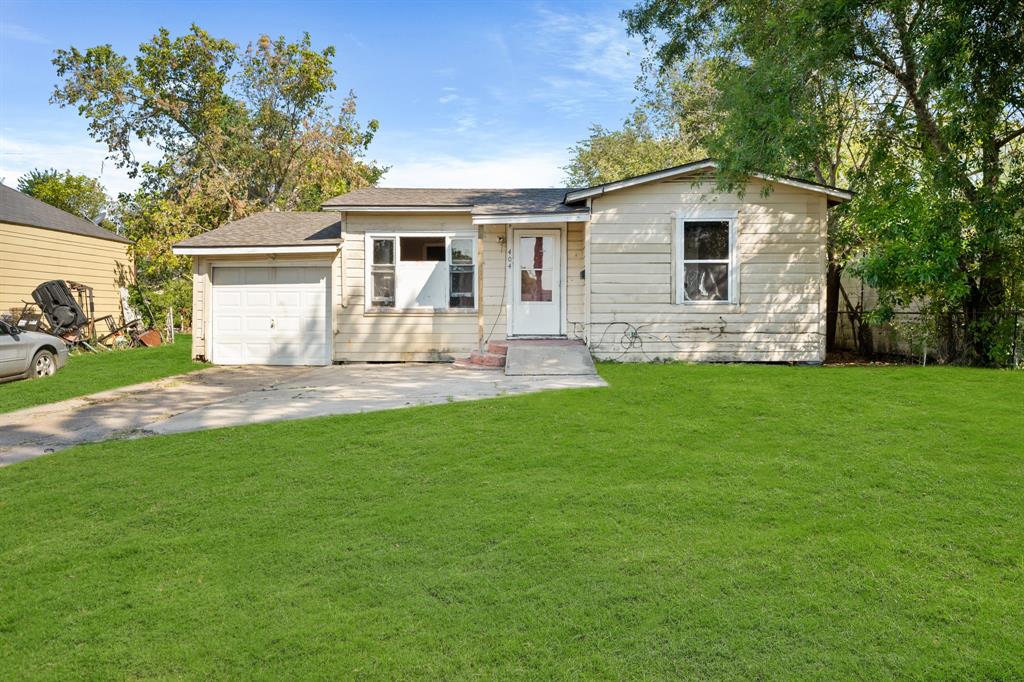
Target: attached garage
{"points": [[262, 289], [270, 315]]}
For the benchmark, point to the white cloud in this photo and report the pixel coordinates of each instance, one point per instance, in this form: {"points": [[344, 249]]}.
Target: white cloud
{"points": [[445, 99], [589, 56], [19, 156], [514, 169], [25, 35], [596, 46]]}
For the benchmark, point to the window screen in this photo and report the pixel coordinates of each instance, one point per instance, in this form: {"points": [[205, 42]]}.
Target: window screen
{"points": [[706, 260]]}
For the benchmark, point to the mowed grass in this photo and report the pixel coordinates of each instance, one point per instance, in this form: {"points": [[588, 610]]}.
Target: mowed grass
{"points": [[87, 373], [688, 522]]}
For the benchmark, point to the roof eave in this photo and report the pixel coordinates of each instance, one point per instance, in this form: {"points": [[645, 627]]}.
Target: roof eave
{"points": [[114, 237], [521, 218], [836, 194], [254, 249], [383, 208]]}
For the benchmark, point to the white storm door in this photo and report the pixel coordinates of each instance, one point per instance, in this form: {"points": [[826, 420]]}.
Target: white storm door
{"points": [[536, 283], [269, 316]]}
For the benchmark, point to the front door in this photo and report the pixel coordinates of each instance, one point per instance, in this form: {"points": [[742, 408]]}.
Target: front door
{"points": [[536, 283]]}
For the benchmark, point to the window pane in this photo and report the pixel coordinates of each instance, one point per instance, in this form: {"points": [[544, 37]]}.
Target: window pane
{"points": [[422, 249], [706, 281], [383, 288], [462, 251], [535, 285], [461, 287], [706, 240], [533, 251], [383, 251]]}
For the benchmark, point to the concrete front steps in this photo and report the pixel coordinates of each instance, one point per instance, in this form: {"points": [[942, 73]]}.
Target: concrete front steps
{"points": [[492, 358]]}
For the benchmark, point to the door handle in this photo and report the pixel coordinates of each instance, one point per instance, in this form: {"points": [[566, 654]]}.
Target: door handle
{"points": [[272, 323]]}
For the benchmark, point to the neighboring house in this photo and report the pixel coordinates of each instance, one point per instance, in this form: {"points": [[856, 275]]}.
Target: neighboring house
{"points": [[39, 242], [662, 266]]}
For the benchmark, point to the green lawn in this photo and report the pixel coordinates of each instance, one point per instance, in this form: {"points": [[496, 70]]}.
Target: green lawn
{"points": [[690, 521], [88, 373]]}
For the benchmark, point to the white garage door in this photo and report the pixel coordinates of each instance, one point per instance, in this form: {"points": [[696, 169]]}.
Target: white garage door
{"points": [[270, 316]]}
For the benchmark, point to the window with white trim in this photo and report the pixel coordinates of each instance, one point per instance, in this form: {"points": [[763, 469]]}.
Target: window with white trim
{"points": [[382, 273], [706, 264], [421, 272], [461, 273]]}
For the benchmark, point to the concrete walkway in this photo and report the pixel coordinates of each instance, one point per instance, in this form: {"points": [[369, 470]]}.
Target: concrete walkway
{"points": [[554, 357], [233, 396]]}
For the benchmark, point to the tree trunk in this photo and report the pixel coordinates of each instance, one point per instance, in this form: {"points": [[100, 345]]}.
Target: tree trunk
{"points": [[833, 277], [982, 317]]}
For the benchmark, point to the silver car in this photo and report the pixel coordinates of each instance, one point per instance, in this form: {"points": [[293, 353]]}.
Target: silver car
{"points": [[29, 355]]}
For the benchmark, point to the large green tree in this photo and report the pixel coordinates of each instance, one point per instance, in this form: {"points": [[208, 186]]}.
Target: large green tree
{"points": [[238, 130], [78, 194], [608, 155], [938, 116], [668, 127]]}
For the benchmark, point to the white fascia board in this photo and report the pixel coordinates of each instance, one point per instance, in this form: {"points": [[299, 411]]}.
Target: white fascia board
{"points": [[632, 182], [400, 209], [809, 186], [251, 250], [578, 195], [578, 217]]}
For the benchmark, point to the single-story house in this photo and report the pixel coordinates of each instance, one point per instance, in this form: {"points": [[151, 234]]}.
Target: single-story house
{"points": [[660, 266], [39, 242]]}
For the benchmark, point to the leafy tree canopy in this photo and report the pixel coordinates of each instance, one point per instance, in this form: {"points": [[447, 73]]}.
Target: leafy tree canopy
{"points": [[238, 131], [254, 127], [609, 155], [78, 194]]}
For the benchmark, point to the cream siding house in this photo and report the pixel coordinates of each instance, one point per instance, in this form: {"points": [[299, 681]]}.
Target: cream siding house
{"points": [[39, 242], [663, 266]]}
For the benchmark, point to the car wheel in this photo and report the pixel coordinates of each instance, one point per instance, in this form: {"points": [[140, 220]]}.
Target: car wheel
{"points": [[43, 365]]}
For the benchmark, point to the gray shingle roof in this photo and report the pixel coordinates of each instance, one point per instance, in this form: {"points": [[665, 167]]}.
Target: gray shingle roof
{"points": [[21, 209], [479, 201], [273, 228]]}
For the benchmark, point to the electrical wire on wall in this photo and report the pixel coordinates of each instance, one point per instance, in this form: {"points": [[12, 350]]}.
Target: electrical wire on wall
{"points": [[504, 287], [618, 339]]}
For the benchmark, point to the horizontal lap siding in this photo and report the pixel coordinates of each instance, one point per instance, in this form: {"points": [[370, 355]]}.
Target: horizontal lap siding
{"points": [[30, 256], [496, 294], [780, 313], [574, 282], [400, 336], [200, 286]]}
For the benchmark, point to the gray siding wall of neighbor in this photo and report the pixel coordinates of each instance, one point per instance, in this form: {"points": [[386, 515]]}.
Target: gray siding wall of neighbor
{"points": [[780, 242]]}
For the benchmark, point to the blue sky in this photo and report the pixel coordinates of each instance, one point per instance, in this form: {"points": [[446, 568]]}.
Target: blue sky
{"points": [[467, 93]]}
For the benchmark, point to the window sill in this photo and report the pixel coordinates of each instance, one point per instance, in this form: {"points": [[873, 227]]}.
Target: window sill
{"points": [[709, 304], [384, 312]]}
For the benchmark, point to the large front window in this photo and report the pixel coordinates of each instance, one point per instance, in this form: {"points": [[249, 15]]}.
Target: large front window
{"points": [[435, 272]]}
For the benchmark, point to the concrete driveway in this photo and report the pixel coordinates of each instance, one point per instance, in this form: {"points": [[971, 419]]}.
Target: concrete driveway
{"points": [[233, 396]]}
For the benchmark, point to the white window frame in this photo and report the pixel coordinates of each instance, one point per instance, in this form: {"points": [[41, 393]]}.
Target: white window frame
{"points": [[678, 265], [397, 236]]}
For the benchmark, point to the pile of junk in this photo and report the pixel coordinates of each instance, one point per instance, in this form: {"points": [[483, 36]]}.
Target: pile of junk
{"points": [[67, 309]]}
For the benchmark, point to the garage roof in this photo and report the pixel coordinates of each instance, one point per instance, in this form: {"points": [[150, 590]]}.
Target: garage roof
{"points": [[272, 228], [21, 209]]}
